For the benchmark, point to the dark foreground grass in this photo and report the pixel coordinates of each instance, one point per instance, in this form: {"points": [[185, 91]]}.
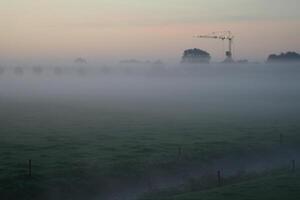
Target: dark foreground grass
{"points": [[272, 187], [78, 148]]}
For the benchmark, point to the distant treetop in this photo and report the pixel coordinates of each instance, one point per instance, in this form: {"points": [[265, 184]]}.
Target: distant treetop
{"points": [[80, 60], [284, 57], [195, 56]]}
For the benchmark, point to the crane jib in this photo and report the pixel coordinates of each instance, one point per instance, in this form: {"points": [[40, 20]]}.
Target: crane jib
{"points": [[225, 35]]}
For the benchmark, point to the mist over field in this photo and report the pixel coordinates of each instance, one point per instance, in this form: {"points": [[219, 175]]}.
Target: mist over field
{"points": [[150, 100], [99, 132], [260, 89]]}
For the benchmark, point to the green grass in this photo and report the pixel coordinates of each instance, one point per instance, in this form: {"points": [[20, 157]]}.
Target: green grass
{"points": [[276, 187], [74, 145]]}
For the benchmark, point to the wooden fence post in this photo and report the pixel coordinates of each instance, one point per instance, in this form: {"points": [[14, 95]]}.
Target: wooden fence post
{"points": [[179, 152], [29, 168], [293, 165], [281, 139], [219, 178]]}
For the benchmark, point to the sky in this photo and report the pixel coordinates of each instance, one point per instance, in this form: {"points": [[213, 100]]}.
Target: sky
{"points": [[112, 30]]}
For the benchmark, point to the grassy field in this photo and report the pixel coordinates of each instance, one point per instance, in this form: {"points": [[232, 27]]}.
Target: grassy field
{"points": [[83, 146], [275, 187], [79, 149]]}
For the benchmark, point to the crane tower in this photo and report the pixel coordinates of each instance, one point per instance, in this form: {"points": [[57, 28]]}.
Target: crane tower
{"points": [[225, 35]]}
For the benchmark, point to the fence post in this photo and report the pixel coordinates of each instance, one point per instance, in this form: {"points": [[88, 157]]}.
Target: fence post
{"points": [[219, 178], [293, 165], [280, 139], [29, 168], [179, 152]]}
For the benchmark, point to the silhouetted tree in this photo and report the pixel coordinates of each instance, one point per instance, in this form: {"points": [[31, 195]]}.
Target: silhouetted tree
{"points": [[284, 57], [80, 61], [37, 70], [58, 71], [18, 71], [2, 70], [195, 56]]}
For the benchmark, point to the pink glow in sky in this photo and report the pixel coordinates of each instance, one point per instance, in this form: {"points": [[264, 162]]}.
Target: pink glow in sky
{"points": [[157, 29]]}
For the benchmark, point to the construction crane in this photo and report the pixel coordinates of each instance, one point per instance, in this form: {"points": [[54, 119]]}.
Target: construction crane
{"points": [[225, 35]]}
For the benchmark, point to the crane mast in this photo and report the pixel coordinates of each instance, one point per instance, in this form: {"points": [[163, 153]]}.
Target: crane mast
{"points": [[227, 35]]}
